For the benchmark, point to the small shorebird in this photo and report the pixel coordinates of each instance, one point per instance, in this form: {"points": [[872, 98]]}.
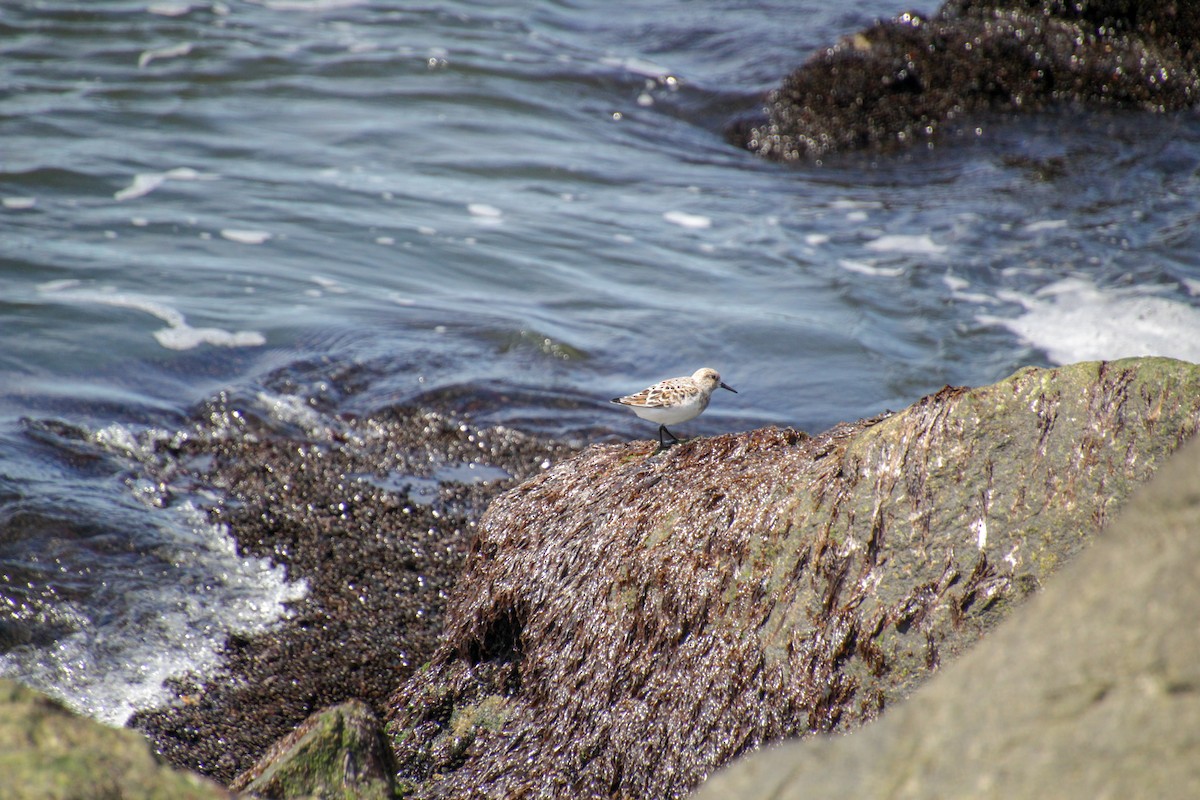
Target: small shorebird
{"points": [[674, 400]]}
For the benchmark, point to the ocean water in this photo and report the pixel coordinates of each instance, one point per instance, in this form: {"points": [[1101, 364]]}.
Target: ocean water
{"points": [[529, 196]]}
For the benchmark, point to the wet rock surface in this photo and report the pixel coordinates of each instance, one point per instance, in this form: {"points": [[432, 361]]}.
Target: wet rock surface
{"points": [[914, 79], [339, 752], [376, 513], [50, 753], [1091, 690], [629, 621]]}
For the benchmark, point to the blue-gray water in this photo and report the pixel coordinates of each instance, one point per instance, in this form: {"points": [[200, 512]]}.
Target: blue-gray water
{"points": [[529, 196]]}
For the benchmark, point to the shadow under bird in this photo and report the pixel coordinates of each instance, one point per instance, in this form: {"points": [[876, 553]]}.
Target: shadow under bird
{"points": [[674, 400]]}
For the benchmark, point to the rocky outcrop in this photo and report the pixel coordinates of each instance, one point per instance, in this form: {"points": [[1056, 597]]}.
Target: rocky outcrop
{"points": [[1091, 690], [376, 513], [913, 79], [629, 621], [50, 753], [336, 754]]}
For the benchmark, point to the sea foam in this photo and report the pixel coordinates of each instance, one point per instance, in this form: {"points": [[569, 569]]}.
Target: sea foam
{"points": [[914, 244], [146, 182], [1073, 319], [178, 335], [171, 621]]}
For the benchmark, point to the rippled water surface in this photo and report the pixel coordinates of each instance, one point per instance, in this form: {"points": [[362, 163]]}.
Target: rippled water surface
{"points": [[462, 197]]}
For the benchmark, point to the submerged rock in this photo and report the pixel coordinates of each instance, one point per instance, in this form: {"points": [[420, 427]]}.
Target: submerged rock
{"points": [[1091, 690], [48, 752], [628, 622], [912, 78]]}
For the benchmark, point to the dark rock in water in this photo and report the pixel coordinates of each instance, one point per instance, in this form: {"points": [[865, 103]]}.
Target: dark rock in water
{"points": [[48, 752], [1091, 690], [628, 622], [336, 753], [375, 513], [910, 79]]}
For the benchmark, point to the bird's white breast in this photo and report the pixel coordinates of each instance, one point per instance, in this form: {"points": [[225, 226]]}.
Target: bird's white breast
{"points": [[670, 415]]}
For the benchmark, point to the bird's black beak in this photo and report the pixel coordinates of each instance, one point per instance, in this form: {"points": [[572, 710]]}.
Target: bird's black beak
{"points": [[730, 388]]}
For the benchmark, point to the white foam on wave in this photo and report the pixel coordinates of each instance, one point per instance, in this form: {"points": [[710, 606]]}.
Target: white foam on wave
{"points": [[185, 337], [119, 439], [292, 410], [143, 184], [1073, 320], [146, 182], [178, 335], [169, 9], [19, 203], [954, 282], [686, 220], [911, 244], [484, 214], [307, 5], [329, 284], [639, 66], [1045, 225], [865, 268], [847, 204], [174, 51], [958, 290], [245, 236], [113, 667]]}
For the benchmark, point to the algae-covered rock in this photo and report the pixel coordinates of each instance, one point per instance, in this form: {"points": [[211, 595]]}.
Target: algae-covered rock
{"points": [[910, 79], [374, 513], [1091, 690], [48, 752], [336, 754], [632, 621]]}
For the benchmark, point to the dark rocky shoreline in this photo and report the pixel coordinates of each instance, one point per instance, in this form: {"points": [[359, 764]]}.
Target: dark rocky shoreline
{"points": [[629, 621], [621, 623], [379, 564]]}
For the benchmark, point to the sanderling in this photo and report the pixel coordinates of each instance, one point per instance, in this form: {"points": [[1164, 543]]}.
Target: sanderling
{"points": [[674, 400]]}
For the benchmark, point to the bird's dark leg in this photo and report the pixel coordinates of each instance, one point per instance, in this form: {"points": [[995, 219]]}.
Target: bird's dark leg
{"points": [[663, 429]]}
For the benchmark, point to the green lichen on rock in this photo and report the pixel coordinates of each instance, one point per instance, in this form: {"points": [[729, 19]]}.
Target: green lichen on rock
{"points": [[964, 502], [1090, 690], [48, 752], [336, 754]]}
